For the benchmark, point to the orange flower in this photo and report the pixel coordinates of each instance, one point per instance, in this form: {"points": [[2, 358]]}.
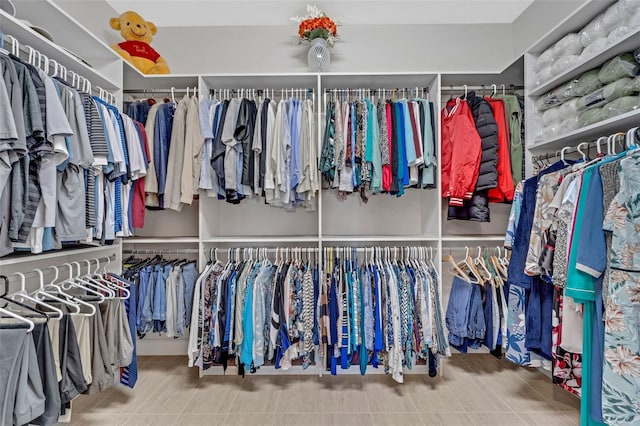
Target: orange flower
{"points": [[311, 24]]}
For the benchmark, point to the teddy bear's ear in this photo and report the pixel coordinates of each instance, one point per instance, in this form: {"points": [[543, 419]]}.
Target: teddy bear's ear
{"points": [[115, 23], [152, 27]]}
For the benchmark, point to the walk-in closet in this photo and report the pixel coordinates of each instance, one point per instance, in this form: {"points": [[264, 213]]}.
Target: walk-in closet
{"points": [[273, 212]]}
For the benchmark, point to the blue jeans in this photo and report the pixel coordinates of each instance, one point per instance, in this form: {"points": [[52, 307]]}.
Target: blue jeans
{"points": [[146, 319], [160, 298], [476, 327], [457, 316], [189, 276]]}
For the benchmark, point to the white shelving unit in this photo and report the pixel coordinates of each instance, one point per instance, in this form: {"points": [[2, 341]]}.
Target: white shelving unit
{"points": [[416, 218], [585, 134], [78, 50]]}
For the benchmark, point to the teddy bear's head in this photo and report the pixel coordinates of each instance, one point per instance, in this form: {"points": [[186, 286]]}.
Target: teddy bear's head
{"points": [[133, 27]]}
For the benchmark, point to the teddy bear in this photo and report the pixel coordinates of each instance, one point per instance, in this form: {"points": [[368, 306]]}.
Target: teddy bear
{"points": [[136, 49]]}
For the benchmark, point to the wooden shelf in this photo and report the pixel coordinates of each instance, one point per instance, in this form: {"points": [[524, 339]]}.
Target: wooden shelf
{"points": [[627, 44], [607, 127]]}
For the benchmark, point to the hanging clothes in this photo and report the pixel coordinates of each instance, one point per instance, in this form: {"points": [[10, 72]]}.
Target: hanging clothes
{"points": [[65, 150], [377, 312], [62, 357], [372, 148]]}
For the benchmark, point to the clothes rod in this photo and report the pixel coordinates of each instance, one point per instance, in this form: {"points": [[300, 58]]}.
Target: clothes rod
{"points": [[42, 62], [499, 88], [250, 91], [161, 91], [61, 268], [161, 251], [378, 90]]}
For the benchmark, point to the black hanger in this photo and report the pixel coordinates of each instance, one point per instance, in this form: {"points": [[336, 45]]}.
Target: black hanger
{"points": [[5, 297]]}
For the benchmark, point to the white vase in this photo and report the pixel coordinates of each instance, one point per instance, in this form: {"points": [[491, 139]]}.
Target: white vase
{"points": [[319, 56]]}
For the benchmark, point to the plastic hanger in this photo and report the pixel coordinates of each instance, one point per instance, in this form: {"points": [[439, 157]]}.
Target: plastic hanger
{"points": [[582, 153], [31, 324], [8, 299], [23, 295], [42, 292], [630, 139], [562, 151], [2, 49], [459, 272], [93, 284], [103, 283], [598, 142], [70, 282], [479, 261], [468, 262]]}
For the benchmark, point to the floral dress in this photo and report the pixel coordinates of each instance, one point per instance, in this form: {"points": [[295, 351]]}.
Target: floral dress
{"points": [[621, 372]]}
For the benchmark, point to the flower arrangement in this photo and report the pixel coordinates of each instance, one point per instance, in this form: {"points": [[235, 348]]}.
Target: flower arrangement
{"points": [[316, 25]]}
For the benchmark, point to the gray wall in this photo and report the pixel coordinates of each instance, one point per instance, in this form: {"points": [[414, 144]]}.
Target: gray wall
{"points": [[538, 19], [478, 48], [389, 48]]}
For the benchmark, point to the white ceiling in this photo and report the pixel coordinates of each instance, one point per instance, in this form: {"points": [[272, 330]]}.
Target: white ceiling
{"points": [[173, 13]]}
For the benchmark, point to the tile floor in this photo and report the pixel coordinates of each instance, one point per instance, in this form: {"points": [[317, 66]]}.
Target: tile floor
{"points": [[477, 390]]}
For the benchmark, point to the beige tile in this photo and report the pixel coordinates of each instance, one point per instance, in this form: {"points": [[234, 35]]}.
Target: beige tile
{"points": [[573, 417], [434, 395], [344, 395], [347, 419], [176, 391], [517, 394], [389, 397], [547, 419], [303, 394], [211, 398], [497, 419], [151, 420], [561, 399], [298, 419], [85, 403], [475, 395], [394, 419], [257, 396], [249, 419], [201, 419], [98, 420], [122, 400], [446, 419]]}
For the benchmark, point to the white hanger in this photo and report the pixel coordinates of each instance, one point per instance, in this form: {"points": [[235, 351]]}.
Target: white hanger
{"points": [[23, 295], [598, 141], [2, 49], [101, 283], [19, 318], [15, 44], [71, 283], [630, 138], [494, 91], [579, 149], [562, 151], [173, 94], [67, 298], [42, 292]]}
